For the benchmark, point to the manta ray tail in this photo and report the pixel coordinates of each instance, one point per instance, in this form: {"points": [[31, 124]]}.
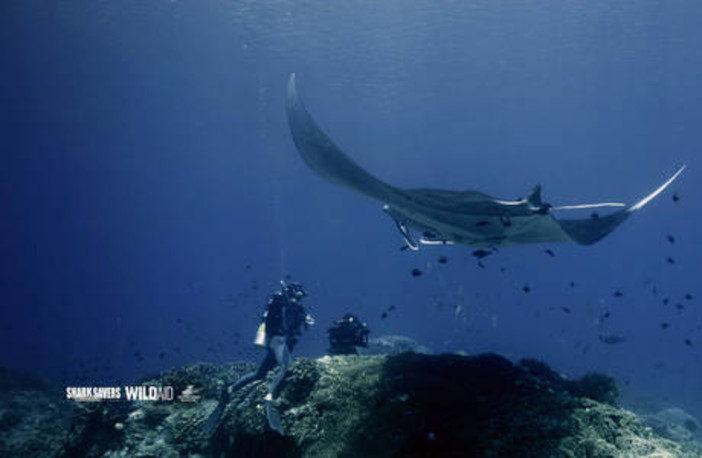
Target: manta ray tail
{"points": [[324, 157], [589, 231]]}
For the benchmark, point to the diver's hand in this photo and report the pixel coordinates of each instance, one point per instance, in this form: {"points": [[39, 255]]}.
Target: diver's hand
{"points": [[309, 320]]}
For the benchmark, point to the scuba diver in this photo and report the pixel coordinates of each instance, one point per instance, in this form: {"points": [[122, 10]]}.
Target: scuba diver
{"points": [[282, 323], [346, 335]]}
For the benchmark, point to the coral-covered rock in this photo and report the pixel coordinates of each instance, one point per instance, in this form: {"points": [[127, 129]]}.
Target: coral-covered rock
{"points": [[407, 404]]}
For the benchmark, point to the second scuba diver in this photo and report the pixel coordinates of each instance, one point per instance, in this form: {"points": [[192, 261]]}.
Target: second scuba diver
{"points": [[347, 335]]}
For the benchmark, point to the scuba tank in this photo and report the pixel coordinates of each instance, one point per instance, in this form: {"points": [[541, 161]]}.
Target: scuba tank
{"points": [[261, 338]]}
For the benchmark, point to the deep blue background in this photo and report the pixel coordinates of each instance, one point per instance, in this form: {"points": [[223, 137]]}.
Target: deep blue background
{"points": [[151, 197]]}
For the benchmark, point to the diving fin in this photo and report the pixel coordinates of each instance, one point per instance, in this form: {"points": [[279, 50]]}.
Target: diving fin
{"points": [[273, 417], [213, 421], [209, 427]]}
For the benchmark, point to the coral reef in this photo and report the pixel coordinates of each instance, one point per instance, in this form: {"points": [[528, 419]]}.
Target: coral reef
{"points": [[406, 404], [32, 415]]}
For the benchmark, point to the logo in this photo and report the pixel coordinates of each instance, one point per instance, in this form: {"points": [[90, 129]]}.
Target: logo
{"points": [[93, 393], [130, 393], [189, 394], [149, 393]]}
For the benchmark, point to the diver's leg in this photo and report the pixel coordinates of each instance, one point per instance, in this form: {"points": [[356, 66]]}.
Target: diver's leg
{"points": [[280, 349], [282, 357], [212, 421], [268, 364]]}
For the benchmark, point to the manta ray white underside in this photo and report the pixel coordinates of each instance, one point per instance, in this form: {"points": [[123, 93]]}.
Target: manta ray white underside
{"points": [[445, 217]]}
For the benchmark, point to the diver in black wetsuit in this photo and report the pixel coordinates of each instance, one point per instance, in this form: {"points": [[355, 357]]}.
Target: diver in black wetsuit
{"points": [[282, 323], [347, 334]]}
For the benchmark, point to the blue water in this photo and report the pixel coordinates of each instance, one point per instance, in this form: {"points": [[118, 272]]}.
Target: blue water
{"points": [[152, 198]]}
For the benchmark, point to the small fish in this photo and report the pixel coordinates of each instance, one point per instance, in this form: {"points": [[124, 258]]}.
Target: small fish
{"points": [[679, 306], [676, 197], [688, 342], [482, 223], [549, 252], [670, 260], [383, 315], [248, 267], [526, 288], [670, 238], [666, 301], [571, 284], [665, 326], [429, 234], [612, 339], [391, 308], [481, 265], [503, 270], [480, 254], [565, 309], [442, 259], [606, 315], [162, 355], [688, 296], [416, 272], [404, 247], [595, 215], [617, 293]]}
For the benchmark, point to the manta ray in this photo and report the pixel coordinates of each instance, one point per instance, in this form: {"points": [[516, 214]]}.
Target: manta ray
{"points": [[443, 216]]}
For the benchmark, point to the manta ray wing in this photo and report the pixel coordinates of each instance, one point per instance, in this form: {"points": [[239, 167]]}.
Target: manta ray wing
{"points": [[324, 157], [592, 230], [443, 216]]}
